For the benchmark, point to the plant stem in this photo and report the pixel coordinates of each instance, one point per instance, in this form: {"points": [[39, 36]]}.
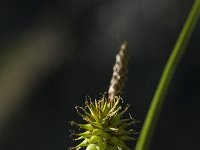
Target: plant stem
{"points": [[158, 99]]}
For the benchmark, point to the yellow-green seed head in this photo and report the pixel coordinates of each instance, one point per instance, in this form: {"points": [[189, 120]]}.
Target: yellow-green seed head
{"points": [[105, 127]]}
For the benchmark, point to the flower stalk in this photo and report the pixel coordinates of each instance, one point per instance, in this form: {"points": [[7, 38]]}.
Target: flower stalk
{"points": [[158, 99]]}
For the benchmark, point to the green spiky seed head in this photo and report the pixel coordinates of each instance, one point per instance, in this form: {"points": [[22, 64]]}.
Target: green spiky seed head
{"points": [[105, 127]]}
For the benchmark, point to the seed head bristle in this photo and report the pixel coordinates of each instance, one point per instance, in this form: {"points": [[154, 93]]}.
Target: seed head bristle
{"points": [[105, 127]]}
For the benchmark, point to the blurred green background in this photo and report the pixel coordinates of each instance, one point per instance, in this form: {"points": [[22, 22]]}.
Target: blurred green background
{"points": [[54, 53]]}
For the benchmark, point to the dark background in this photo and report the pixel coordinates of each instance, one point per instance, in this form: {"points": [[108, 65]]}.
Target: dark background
{"points": [[54, 53]]}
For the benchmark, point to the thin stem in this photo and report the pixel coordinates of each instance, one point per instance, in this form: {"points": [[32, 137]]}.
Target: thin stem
{"points": [[158, 99]]}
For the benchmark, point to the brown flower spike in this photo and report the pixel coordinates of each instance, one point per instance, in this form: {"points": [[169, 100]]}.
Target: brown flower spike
{"points": [[120, 71]]}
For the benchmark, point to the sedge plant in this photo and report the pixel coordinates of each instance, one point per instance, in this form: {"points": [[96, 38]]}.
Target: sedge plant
{"points": [[105, 128]]}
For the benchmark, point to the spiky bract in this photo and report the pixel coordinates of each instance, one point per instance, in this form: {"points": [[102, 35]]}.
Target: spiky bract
{"points": [[105, 128]]}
